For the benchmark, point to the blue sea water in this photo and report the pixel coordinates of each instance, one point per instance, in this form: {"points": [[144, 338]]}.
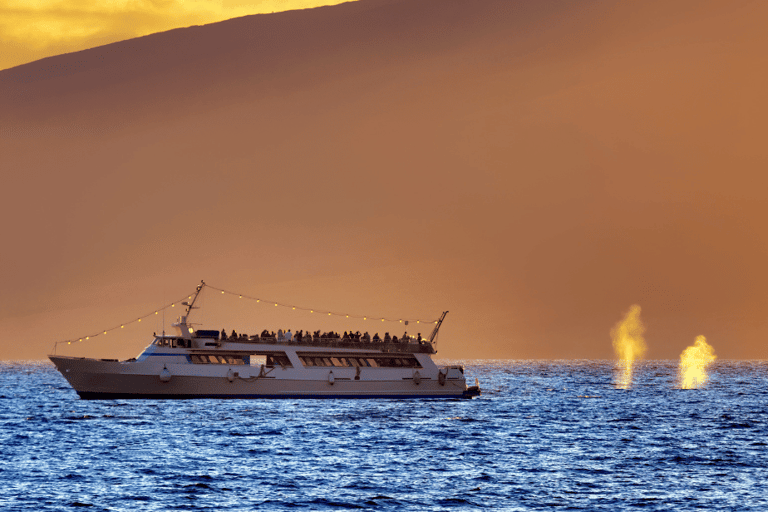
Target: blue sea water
{"points": [[545, 435]]}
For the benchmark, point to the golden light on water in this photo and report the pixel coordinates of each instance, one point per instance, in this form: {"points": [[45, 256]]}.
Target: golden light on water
{"points": [[694, 362], [629, 345]]}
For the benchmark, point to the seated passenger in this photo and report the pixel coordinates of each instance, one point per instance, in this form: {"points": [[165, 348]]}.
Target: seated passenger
{"points": [[376, 338], [289, 336], [223, 334], [387, 338], [394, 339], [233, 335]]}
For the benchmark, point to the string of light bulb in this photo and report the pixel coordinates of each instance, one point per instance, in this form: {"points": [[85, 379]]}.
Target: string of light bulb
{"points": [[240, 296], [124, 324], [321, 312]]}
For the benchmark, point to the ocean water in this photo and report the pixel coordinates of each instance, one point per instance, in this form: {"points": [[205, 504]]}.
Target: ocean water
{"points": [[545, 435]]}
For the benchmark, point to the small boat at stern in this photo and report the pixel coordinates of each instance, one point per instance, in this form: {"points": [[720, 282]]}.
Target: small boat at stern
{"points": [[196, 363]]}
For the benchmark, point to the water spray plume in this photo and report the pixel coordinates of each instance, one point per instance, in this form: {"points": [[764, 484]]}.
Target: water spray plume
{"points": [[629, 345], [693, 363]]}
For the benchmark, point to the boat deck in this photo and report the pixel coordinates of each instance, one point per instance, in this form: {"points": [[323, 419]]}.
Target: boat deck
{"points": [[412, 348]]}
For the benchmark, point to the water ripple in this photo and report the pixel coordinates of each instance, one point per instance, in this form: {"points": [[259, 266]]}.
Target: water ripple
{"points": [[545, 435]]}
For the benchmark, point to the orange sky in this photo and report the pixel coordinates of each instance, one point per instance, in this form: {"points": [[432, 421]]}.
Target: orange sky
{"points": [[34, 29], [535, 168]]}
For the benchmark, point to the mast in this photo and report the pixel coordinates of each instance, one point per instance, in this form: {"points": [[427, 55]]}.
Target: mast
{"points": [[437, 327], [197, 293], [185, 331]]}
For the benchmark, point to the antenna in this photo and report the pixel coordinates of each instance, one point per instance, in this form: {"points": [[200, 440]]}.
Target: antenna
{"points": [[437, 327]]}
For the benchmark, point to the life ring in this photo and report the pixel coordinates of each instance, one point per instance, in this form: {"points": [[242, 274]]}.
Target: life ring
{"points": [[231, 375], [165, 375], [441, 376], [331, 378], [416, 377]]}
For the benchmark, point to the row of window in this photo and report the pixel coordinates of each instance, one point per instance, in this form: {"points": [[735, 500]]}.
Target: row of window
{"points": [[362, 362], [311, 360], [270, 360], [217, 359]]}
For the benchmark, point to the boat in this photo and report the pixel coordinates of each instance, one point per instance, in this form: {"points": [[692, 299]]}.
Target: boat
{"points": [[198, 363]]}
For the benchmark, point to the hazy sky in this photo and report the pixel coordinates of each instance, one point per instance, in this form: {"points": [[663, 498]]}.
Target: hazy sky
{"points": [[34, 29], [535, 168]]}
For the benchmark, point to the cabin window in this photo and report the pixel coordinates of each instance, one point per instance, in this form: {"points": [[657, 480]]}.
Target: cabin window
{"points": [[214, 359], [257, 360], [279, 360], [172, 342]]}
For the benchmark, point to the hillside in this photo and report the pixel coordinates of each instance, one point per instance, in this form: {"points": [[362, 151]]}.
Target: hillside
{"points": [[534, 167]]}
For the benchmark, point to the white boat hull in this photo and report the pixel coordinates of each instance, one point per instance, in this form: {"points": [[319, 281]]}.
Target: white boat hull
{"points": [[99, 379]]}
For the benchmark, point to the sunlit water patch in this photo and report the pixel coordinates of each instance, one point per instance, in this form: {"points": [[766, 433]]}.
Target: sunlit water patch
{"points": [[545, 435]]}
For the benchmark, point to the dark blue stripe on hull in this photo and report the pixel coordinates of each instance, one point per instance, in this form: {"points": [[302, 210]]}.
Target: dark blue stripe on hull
{"points": [[86, 395]]}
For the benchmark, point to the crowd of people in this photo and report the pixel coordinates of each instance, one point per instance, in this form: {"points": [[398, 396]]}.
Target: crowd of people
{"points": [[307, 337]]}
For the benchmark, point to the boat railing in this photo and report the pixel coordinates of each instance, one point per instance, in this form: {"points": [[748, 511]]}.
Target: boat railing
{"points": [[413, 347]]}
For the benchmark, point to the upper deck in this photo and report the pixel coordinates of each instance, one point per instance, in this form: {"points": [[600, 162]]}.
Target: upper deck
{"points": [[246, 342], [413, 348]]}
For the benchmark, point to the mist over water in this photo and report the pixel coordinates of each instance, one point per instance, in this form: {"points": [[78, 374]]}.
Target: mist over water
{"points": [[694, 362], [629, 345], [545, 435]]}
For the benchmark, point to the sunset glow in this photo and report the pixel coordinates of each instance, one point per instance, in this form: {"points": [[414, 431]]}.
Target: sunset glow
{"points": [[533, 167], [629, 345], [34, 29], [694, 362]]}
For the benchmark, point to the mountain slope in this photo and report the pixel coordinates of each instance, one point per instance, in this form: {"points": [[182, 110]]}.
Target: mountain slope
{"points": [[534, 167]]}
